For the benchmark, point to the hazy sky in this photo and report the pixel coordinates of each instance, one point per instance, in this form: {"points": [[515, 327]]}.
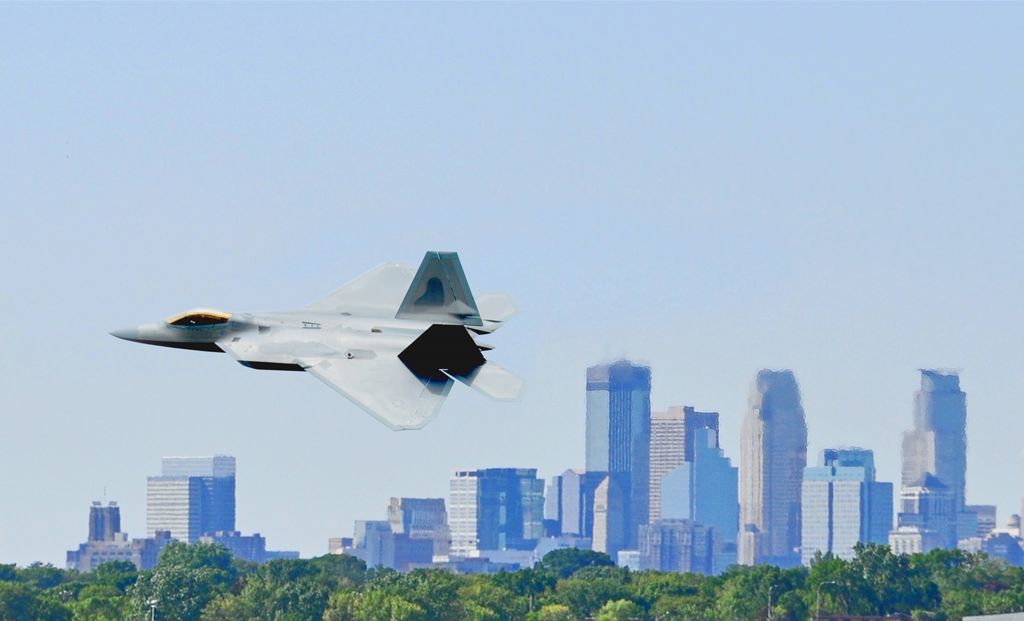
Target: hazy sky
{"points": [[835, 189]]}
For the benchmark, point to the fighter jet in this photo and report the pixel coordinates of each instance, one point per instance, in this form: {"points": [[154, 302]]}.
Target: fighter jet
{"points": [[391, 341]]}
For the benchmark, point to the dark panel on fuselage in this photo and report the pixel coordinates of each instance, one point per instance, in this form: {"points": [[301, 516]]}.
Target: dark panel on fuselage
{"points": [[270, 366], [180, 345]]}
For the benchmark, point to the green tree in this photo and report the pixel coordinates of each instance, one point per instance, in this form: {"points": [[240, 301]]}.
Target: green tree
{"points": [[744, 592], [525, 582], [620, 610], [564, 562], [186, 578], [585, 595], [892, 583], [41, 576], [552, 612], [227, 607], [21, 602], [8, 573], [485, 600], [118, 574], [98, 602], [373, 605]]}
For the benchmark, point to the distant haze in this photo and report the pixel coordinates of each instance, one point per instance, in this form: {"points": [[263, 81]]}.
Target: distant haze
{"points": [[712, 189]]}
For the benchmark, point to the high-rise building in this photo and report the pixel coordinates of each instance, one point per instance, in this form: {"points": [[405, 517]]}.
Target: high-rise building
{"points": [[773, 455], [107, 543], [104, 522], [937, 444], [619, 435], [986, 516], [672, 438], [677, 545], [193, 496], [608, 508], [1004, 546], [378, 546], [421, 518], [843, 505], [570, 502], [927, 518], [495, 509], [704, 491]]}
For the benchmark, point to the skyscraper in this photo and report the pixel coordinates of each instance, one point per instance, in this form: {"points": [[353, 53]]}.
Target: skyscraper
{"points": [[570, 502], [703, 490], [937, 444], [193, 496], [843, 505], [421, 518], [609, 503], [104, 522], [108, 543], [927, 519], [672, 439], [495, 509], [378, 545], [619, 435], [773, 455]]}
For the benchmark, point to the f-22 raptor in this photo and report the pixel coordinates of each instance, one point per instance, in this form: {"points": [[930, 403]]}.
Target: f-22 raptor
{"points": [[391, 341]]}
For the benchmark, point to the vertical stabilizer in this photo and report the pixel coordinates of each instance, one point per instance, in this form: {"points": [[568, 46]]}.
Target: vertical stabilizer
{"points": [[439, 293]]}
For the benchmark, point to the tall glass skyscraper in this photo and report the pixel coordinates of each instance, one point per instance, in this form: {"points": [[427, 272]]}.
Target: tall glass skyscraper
{"points": [[938, 442], [619, 436], [936, 447], [843, 505], [192, 497], [773, 455]]}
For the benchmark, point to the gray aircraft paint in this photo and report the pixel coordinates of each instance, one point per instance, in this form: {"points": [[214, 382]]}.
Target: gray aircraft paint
{"points": [[352, 339]]}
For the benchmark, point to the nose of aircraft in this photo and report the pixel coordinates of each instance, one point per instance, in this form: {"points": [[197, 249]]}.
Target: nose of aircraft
{"points": [[128, 334]]}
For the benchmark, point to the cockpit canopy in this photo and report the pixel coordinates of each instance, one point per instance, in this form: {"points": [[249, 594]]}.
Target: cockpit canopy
{"points": [[199, 317]]}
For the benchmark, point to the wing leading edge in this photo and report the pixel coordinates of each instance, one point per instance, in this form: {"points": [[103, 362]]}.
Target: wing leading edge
{"points": [[377, 293]]}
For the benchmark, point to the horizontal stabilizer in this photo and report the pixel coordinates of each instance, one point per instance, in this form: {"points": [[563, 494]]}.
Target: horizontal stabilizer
{"points": [[492, 380], [496, 307]]}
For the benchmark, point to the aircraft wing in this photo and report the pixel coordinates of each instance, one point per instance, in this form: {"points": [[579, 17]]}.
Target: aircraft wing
{"points": [[384, 387], [377, 293]]}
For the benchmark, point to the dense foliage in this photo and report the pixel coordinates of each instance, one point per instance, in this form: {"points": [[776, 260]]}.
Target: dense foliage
{"points": [[203, 583]]}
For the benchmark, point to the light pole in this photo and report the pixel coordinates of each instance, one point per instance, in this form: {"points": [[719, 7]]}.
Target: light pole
{"points": [[770, 589], [817, 608], [152, 608]]}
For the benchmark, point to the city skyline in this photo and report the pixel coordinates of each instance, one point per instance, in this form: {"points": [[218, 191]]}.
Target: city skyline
{"points": [[495, 510], [709, 189], [193, 469]]}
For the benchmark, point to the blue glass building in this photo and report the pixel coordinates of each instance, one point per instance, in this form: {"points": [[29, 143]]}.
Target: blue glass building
{"points": [[495, 509], [619, 435], [705, 491], [193, 496], [842, 504]]}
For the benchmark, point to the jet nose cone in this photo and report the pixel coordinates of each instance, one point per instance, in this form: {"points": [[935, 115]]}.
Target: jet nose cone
{"points": [[128, 334]]}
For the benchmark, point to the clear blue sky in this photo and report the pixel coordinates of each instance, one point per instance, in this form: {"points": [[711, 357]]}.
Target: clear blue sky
{"points": [[714, 189]]}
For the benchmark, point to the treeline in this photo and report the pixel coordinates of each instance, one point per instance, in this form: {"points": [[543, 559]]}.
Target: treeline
{"points": [[203, 583]]}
